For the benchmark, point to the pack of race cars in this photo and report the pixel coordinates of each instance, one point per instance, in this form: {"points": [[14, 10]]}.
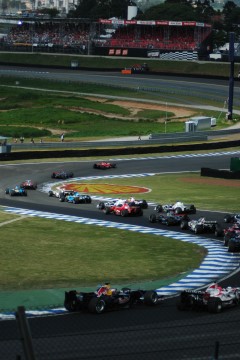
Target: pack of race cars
{"points": [[173, 214]]}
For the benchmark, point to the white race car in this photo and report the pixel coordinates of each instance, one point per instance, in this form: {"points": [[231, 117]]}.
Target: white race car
{"points": [[178, 208], [214, 298], [202, 226]]}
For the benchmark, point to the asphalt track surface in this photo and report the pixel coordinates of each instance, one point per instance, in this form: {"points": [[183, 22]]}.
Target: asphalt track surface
{"points": [[171, 87], [143, 332]]}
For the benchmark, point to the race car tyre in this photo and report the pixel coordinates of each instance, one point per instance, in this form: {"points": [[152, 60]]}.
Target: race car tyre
{"points": [[198, 229], [53, 176], [226, 240], [218, 231], [140, 213], [184, 225], [214, 305], [152, 218], [124, 213], [62, 199], [159, 208], [25, 193], [95, 166], [96, 306], [11, 192], [76, 201], [151, 298], [7, 191], [106, 210], [70, 306], [70, 302], [101, 205], [231, 246], [178, 211], [227, 218], [192, 209], [114, 166], [50, 193], [144, 204]]}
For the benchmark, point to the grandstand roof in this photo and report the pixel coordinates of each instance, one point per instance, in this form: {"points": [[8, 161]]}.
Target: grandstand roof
{"points": [[153, 22]]}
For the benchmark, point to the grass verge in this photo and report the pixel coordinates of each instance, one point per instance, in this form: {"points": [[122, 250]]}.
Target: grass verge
{"points": [[53, 254]]}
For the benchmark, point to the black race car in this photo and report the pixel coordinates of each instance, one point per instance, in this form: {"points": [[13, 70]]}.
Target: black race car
{"points": [[232, 218], [61, 174], [202, 226], [169, 219], [105, 299]]}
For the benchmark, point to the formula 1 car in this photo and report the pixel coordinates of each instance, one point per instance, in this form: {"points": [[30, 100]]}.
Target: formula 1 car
{"points": [[177, 208], [104, 300], [61, 174], [214, 299], [76, 198], [125, 209], [29, 184], [16, 191], [139, 68], [142, 203], [58, 193], [232, 237], [232, 218], [169, 219], [201, 226], [104, 165], [234, 242], [230, 232]]}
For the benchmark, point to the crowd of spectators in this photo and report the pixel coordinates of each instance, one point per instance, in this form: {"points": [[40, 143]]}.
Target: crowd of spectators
{"points": [[78, 35], [172, 38], [50, 34]]}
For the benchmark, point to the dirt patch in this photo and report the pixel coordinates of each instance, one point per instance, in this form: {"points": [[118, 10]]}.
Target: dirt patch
{"points": [[134, 107], [213, 181]]}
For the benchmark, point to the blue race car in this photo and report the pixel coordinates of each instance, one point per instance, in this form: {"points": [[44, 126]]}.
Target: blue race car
{"points": [[76, 198], [16, 191]]}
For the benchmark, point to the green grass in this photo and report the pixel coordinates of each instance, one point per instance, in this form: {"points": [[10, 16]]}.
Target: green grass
{"points": [[32, 113], [40, 254]]}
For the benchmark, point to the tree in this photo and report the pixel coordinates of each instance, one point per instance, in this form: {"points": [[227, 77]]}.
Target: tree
{"points": [[167, 11], [51, 12], [95, 9]]}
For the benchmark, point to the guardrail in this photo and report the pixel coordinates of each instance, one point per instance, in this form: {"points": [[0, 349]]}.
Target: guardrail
{"points": [[154, 139]]}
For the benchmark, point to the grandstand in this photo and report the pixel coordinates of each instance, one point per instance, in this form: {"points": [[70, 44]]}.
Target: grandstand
{"points": [[181, 40], [162, 39]]}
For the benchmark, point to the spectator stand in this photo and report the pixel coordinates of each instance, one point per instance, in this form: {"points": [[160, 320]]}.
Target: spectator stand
{"points": [[107, 37]]}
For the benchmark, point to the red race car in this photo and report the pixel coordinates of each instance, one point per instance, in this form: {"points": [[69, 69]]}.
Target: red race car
{"points": [[104, 165], [125, 209], [29, 184]]}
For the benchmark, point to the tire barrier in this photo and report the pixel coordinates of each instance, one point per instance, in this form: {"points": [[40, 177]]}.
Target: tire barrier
{"points": [[24, 155], [223, 174]]}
